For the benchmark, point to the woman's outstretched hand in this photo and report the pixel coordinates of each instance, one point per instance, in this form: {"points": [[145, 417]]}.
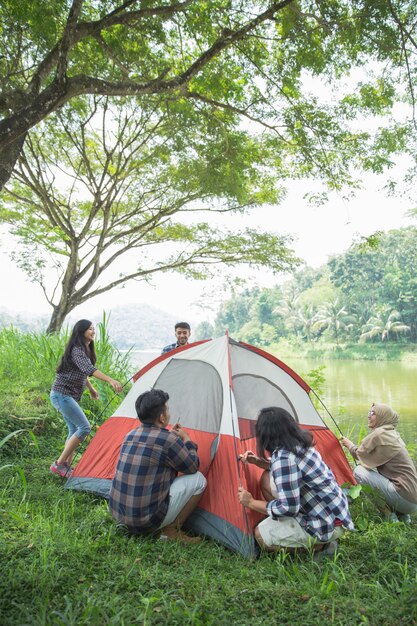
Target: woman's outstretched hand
{"points": [[250, 457], [115, 384], [94, 393], [244, 496], [345, 442]]}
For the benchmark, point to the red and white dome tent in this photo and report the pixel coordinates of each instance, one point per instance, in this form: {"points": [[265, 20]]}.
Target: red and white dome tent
{"points": [[216, 389]]}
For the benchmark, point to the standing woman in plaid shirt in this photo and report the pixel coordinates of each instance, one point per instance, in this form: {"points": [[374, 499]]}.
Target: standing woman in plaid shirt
{"points": [[76, 365], [304, 504]]}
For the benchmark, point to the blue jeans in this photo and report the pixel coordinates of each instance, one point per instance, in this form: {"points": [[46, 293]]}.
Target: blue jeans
{"points": [[73, 415]]}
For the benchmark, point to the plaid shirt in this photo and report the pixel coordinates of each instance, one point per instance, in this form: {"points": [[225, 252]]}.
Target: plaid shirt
{"points": [[72, 381], [308, 491], [150, 458], [170, 347]]}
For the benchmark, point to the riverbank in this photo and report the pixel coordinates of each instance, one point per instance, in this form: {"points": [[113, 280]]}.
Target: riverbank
{"points": [[344, 352]]}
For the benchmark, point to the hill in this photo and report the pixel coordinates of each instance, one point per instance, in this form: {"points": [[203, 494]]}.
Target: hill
{"points": [[136, 325]]}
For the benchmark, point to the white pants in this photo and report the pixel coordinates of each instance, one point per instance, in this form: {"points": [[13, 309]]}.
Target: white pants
{"points": [[391, 496], [287, 532], [181, 490]]}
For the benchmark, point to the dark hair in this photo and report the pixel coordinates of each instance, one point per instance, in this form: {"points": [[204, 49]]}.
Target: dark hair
{"points": [[77, 339], [182, 325], [277, 429], [150, 404]]}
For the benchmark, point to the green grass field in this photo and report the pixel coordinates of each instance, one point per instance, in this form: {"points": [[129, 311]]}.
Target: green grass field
{"points": [[63, 562]]}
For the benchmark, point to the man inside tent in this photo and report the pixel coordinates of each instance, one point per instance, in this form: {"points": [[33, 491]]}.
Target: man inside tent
{"points": [[182, 333], [146, 494]]}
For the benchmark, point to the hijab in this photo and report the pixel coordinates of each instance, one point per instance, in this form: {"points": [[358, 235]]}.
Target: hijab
{"points": [[384, 442]]}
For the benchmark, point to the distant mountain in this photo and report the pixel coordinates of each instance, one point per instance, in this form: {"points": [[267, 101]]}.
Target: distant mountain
{"points": [[142, 327], [25, 322]]}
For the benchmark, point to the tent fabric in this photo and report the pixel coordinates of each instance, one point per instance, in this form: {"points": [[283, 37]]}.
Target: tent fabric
{"points": [[216, 389]]}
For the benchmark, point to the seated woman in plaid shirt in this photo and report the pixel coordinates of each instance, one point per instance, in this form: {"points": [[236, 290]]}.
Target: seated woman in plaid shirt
{"points": [[146, 494], [304, 504]]}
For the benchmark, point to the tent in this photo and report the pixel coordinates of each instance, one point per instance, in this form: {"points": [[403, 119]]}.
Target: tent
{"points": [[216, 389]]}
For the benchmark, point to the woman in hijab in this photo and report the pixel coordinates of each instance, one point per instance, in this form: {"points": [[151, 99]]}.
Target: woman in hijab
{"points": [[385, 464]]}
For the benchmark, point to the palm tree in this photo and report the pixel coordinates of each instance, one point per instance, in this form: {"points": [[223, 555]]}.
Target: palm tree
{"points": [[385, 322], [288, 308], [304, 319], [335, 318]]}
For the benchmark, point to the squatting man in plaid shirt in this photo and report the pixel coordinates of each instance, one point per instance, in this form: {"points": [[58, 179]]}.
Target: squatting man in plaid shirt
{"points": [[146, 494], [304, 504]]}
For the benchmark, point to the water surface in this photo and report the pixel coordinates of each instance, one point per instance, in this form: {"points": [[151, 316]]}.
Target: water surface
{"points": [[351, 387]]}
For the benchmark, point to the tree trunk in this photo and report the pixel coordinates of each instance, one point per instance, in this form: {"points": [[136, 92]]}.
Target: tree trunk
{"points": [[58, 317], [8, 158]]}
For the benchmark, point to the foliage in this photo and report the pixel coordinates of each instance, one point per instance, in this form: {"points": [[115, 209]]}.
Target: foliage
{"points": [[353, 312], [384, 325], [119, 192], [389, 269], [204, 330], [250, 60], [334, 317]]}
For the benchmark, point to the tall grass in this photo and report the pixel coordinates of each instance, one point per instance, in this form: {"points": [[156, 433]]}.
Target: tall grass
{"points": [[28, 363]]}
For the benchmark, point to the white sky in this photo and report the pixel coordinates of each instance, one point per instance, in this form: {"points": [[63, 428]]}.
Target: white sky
{"points": [[319, 232]]}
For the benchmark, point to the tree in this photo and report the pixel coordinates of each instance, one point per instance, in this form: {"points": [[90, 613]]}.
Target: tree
{"points": [[245, 57], [385, 323], [332, 316], [380, 273], [85, 195], [204, 330], [304, 320]]}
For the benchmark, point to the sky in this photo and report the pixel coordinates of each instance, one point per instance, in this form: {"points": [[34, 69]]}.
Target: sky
{"points": [[319, 232]]}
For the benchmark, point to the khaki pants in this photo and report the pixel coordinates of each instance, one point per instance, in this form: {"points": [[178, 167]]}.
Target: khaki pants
{"points": [[287, 532]]}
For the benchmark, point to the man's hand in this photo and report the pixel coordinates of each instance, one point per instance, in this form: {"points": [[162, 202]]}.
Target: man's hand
{"points": [[180, 432]]}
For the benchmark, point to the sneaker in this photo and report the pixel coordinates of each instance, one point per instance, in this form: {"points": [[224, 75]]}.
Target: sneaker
{"points": [[392, 518], [62, 470], [405, 518]]}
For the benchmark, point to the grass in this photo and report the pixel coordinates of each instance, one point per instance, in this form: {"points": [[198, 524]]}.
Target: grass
{"points": [[27, 370], [345, 351], [63, 562]]}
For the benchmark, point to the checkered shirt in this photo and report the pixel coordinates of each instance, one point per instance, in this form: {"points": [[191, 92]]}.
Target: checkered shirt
{"points": [[150, 458], [73, 380], [170, 347], [307, 490]]}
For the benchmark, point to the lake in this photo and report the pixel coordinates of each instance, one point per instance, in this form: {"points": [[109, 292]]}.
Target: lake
{"points": [[351, 387]]}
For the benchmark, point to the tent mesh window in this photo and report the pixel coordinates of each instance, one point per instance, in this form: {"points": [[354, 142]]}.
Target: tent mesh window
{"points": [[195, 394], [253, 393]]}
